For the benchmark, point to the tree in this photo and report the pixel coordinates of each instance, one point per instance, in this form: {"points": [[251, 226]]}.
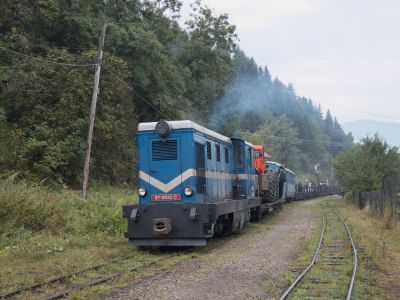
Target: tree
{"points": [[280, 139], [364, 167], [154, 68], [207, 56]]}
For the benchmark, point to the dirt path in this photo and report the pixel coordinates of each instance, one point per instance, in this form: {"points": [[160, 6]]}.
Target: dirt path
{"points": [[246, 267]]}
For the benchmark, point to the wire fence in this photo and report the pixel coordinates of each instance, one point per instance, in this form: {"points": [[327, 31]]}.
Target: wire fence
{"points": [[384, 203]]}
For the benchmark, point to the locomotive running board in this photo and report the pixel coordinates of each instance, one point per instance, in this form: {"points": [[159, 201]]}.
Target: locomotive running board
{"points": [[168, 242]]}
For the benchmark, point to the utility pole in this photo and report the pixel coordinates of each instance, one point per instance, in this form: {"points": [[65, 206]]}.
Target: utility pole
{"points": [[93, 111]]}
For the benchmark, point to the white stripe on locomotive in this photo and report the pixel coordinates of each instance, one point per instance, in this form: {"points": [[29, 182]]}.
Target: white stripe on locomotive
{"points": [[167, 187]]}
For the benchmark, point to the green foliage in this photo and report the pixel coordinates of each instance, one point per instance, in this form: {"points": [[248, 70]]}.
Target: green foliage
{"points": [[364, 167], [207, 56], [29, 209], [281, 138], [153, 69], [48, 116]]}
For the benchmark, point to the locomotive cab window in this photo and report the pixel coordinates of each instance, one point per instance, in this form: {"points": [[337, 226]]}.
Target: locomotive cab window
{"points": [[218, 152], [226, 155], [238, 153], [208, 145], [248, 158]]}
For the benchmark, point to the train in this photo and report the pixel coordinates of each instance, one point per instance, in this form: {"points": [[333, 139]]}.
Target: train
{"points": [[195, 184]]}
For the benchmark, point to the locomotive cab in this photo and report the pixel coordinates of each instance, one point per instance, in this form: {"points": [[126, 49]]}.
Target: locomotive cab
{"points": [[245, 185]]}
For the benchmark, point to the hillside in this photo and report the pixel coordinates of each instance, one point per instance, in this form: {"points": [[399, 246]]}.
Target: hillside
{"points": [[361, 128], [153, 68]]}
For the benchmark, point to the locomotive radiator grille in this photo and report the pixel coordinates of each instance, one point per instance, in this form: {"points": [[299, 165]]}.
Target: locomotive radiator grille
{"points": [[164, 150]]}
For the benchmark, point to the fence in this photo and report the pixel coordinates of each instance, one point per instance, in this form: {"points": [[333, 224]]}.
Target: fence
{"points": [[384, 203]]}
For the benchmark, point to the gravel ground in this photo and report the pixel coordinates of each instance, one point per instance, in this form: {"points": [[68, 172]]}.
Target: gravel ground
{"points": [[245, 267]]}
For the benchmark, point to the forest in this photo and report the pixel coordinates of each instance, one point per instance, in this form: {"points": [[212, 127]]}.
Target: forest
{"points": [[156, 66]]}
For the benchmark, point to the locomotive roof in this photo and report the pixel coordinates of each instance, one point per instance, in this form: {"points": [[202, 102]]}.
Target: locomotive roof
{"points": [[247, 143], [274, 162], [290, 171], [185, 124], [278, 164]]}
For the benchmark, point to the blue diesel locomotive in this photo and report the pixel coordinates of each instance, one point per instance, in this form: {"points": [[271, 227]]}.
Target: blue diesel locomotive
{"points": [[193, 184]]}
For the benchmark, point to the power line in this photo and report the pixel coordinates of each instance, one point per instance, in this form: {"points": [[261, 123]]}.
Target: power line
{"points": [[367, 112], [134, 81], [133, 91], [90, 65], [50, 45], [47, 61], [299, 139]]}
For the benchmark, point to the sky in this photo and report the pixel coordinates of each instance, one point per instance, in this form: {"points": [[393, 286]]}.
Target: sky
{"points": [[343, 54]]}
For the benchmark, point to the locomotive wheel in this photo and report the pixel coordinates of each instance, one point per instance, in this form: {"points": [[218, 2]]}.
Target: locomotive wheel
{"points": [[227, 224], [218, 227], [256, 214]]}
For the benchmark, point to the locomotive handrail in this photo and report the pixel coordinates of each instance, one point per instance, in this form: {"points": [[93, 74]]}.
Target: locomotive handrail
{"points": [[314, 259]]}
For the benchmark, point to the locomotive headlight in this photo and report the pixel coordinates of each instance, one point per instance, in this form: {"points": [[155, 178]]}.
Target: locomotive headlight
{"points": [[163, 128], [142, 192], [188, 191]]}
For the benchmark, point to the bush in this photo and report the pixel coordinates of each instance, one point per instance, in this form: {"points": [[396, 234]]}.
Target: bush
{"points": [[106, 219], [30, 207], [36, 209], [364, 167]]}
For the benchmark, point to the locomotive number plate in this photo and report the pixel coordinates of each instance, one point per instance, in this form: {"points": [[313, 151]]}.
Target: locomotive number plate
{"points": [[166, 197]]}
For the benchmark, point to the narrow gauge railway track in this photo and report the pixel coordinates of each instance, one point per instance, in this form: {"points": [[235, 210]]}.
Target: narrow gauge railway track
{"points": [[331, 273], [62, 286]]}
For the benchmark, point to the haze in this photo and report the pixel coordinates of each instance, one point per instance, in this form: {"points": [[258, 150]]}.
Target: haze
{"points": [[344, 55]]}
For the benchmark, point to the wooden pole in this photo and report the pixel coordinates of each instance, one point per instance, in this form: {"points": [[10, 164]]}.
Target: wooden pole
{"points": [[93, 111]]}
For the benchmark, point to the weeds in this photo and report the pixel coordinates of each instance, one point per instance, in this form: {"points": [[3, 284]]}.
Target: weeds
{"points": [[379, 247], [30, 210], [50, 232]]}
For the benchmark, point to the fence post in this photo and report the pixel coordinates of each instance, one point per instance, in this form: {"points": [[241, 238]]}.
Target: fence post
{"points": [[396, 201]]}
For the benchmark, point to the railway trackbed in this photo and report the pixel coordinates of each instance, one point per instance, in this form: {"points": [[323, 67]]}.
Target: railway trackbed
{"points": [[64, 285], [332, 270]]}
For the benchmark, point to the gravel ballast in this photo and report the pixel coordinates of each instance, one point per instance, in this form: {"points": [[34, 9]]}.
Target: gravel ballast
{"points": [[246, 267]]}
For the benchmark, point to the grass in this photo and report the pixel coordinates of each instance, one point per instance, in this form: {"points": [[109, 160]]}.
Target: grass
{"points": [[379, 252], [46, 233], [378, 275], [303, 259], [319, 282]]}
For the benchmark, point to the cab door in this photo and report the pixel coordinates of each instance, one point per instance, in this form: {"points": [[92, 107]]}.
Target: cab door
{"points": [[200, 165], [218, 170], [165, 170], [250, 172]]}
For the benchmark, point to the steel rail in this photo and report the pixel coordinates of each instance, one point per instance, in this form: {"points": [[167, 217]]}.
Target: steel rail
{"points": [[312, 263], [355, 258], [62, 277], [97, 282], [67, 291]]}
